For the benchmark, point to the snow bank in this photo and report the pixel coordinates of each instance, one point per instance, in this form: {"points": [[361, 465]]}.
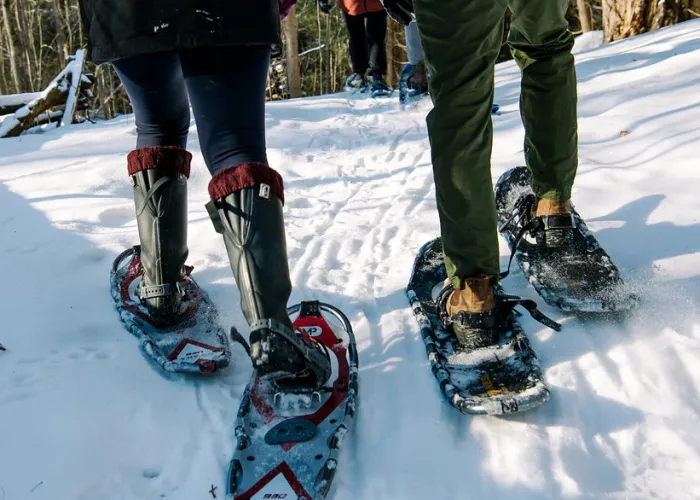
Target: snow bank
{"points": [[588, 41]]}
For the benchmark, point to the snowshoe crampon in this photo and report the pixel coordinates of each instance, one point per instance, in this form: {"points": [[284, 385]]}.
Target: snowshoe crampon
{"points": [[494, 380], [193, 344], [578, 276], [288, 442]]}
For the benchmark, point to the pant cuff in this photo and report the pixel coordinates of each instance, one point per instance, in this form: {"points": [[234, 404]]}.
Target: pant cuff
{"points": [[547, 193]]}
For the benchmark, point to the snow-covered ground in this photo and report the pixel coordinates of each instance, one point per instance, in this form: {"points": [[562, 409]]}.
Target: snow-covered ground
{"points": [[588, 41], [84, 417]]}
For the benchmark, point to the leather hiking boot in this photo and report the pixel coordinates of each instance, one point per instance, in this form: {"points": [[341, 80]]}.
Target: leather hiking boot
{"points": [[480, 314], [472, 312]]}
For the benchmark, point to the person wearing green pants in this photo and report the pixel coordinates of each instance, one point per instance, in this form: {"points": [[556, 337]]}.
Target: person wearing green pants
{"points": [[462, 40]]}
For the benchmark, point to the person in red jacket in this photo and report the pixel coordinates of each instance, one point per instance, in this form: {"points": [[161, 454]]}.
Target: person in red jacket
{"points": [[366, 23]]}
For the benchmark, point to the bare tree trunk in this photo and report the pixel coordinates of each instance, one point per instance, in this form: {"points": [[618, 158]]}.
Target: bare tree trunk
{"points": [[60, 36], [69, 28], [35, 22], [23, 45], [327, 60], [626, 18], [390, 53], [40, 56], [4, 85], [5, 8], [291, 41], [320, 53], [584, 15]]}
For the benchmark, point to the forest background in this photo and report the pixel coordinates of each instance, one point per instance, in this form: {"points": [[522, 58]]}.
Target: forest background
{"points": [[37, 37]]}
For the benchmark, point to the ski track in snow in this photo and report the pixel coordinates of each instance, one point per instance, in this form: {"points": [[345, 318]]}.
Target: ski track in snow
{"points": [[83, 416]]}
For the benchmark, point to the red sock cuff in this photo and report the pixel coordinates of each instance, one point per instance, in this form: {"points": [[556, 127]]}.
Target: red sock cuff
{"points": [[168, 158], [244, 176]]}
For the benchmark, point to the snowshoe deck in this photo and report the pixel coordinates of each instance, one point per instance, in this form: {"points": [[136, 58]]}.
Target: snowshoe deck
{"points": [[494, 380], [195, 345], [288, 443], [577, 278]]}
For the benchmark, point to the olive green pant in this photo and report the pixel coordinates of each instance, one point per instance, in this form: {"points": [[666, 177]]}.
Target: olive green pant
{"points": [[462, 39]]}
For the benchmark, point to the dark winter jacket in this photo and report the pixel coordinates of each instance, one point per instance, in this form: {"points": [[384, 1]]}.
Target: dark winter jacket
{"points": [[358, 7], [123, 28]]}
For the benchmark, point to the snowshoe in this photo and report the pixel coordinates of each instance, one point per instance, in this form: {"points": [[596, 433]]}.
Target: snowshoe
{"points": [[379, 88], [289, 438], [356, 83], [497, 375], [191, 342], [410, 91], [558, 255]]}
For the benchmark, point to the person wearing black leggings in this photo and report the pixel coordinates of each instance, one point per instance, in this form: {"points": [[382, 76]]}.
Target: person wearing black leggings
{"points": [[226, 86], [215, 55]]}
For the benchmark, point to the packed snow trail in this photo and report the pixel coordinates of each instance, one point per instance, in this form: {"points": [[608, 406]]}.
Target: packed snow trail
{"points": [[83, 416]]}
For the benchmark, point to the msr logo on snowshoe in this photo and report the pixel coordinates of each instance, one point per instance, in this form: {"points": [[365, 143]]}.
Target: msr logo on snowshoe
{"points": [[509, 406], [275, 495], [312, 331]]}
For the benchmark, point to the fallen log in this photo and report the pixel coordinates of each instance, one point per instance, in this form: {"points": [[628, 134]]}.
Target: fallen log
{"points": [[23, 119], [11, 103]]}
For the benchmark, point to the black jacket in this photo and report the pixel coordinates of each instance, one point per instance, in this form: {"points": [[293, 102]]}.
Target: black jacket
{"points": [[123, 28]]}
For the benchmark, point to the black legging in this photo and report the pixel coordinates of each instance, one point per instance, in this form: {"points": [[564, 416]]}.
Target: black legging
{"points": [[227, 88], [367, 33]]}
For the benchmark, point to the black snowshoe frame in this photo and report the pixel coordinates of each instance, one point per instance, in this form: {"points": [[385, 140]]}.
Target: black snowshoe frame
{"points": [[507, 377], [599, 287]]}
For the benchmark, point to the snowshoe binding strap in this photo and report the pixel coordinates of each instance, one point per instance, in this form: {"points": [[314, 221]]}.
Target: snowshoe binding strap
{"points": [[505, 305], [314, 352], [512, 301], [555, 230], [164, 290], [238, 339]]}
